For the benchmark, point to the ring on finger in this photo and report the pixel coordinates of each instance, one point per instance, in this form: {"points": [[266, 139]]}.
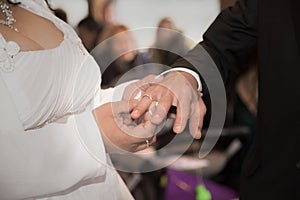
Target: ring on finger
{"points": [[147, 143], [148, 96]]}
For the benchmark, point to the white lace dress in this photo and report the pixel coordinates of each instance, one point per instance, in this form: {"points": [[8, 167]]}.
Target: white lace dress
{"points": [[50, 145]]}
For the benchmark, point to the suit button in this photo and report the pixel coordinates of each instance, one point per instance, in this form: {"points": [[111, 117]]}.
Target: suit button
{"points": [[298, 165]]}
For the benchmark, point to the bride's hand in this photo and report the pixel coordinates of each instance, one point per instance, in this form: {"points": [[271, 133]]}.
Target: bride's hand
{"points": [[119, 131]]}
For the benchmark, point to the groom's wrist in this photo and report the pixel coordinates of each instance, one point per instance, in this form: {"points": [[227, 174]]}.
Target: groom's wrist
{"points": [[189, 74]]}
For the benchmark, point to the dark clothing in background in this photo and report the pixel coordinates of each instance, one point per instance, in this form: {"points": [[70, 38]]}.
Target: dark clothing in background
{"points": [[114, 72], [271, 27], [168, 52]]}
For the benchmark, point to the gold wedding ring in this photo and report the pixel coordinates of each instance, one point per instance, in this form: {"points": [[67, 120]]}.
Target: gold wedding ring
{"points": [[149, 96], [148, 143]]}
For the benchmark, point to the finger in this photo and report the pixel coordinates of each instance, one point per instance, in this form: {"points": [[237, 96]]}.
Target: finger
{"points": [[182, 116], [132, 90], [142, 106], [133, 93], [154, 139], [146, 82], [144, 144], [147, 116], [161, 109], [196, 120], [151, 141], [123, 106], [203, 111]]}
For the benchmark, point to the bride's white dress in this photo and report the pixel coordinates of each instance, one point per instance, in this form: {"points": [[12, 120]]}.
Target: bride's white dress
{"points": [[50, 145]]}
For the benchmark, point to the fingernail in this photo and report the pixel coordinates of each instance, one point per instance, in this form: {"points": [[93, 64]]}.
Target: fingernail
{"points": [[198, 135], [177, 128], [135, 112], [138, 95]]}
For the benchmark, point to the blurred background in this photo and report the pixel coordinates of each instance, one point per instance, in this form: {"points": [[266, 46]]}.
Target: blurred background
{"points": [[213, 177], [192, 16]]}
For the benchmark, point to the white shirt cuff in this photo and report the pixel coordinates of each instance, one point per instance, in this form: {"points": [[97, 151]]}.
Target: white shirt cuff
{"points": [[191, 72]]}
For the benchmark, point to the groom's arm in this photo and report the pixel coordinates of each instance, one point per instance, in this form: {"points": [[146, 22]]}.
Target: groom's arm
{"points": [[229, 41]]}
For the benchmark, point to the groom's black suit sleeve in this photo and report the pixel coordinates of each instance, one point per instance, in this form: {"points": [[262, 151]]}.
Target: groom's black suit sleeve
{"points": [[230, 40]]}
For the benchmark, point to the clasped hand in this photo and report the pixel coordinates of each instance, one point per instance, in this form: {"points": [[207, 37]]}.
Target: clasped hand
{"points": [[120, 132], [178, 89], [131, 124]]}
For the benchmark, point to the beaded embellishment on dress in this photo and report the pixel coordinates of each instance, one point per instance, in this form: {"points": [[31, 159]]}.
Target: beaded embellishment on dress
{"points": [[9, 18]]}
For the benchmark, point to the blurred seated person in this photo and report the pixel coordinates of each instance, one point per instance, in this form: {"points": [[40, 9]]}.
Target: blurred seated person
{"points": [[168, 41], [116, 43], [88, 30], [242, 94], [245, 99], [108, 13], [242, 98], [103, 11]]}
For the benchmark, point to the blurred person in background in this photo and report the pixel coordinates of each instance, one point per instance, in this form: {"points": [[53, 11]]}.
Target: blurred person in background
{"points": [[88, 30], [109, 12], [241, 116], [119, 42], [103, 11], [169, 37]]}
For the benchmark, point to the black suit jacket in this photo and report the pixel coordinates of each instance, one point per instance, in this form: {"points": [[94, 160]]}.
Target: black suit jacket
{"points": [[271, 28]]}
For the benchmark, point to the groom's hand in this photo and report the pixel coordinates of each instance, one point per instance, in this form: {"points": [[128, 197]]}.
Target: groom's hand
{"points": [[175, 89]]}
